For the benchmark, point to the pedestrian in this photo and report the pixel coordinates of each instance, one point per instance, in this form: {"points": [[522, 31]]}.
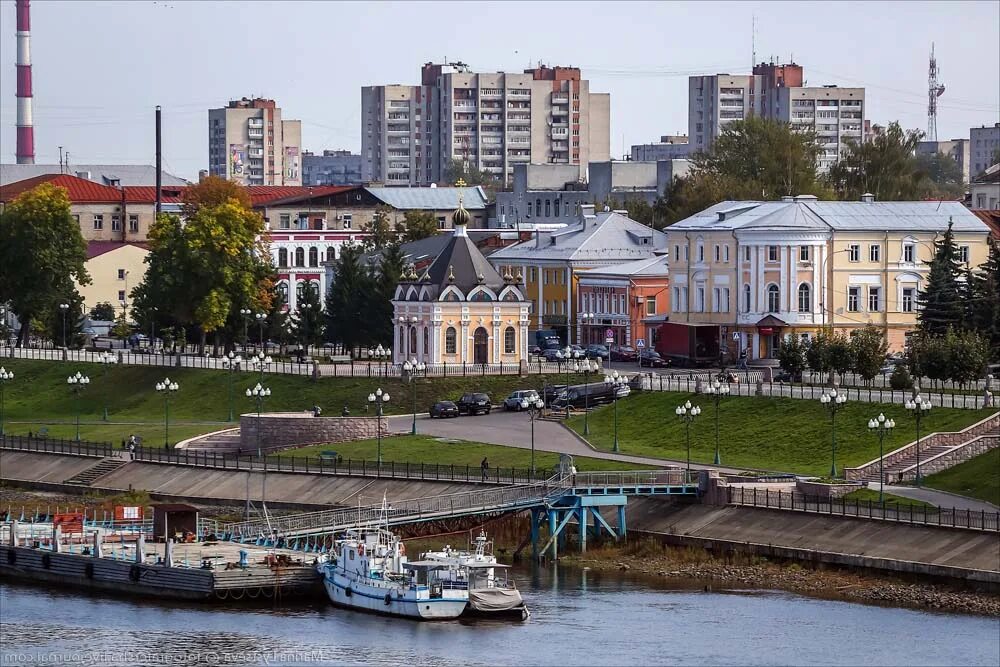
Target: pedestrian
{"points": [[317, 411], [485, 466], [345, 412], [743, 360]]}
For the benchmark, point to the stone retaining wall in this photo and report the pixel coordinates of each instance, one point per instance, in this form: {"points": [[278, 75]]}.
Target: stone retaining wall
{"points": [[952, 458], [821, 490], [280, 430]]}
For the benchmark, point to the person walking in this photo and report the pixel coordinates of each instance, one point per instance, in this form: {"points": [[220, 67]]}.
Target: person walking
{"points": [[485, 466]]}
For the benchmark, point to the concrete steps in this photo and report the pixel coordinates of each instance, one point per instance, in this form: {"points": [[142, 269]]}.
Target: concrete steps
{"points": [[228, 441], [100, 469], [908, 460]]}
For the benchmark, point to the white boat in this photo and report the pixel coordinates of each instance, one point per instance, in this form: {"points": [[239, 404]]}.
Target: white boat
{"points": [[491, 592]]}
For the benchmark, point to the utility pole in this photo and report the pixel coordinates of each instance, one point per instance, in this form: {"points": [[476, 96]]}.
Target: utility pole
{"points": [[159, 164]]}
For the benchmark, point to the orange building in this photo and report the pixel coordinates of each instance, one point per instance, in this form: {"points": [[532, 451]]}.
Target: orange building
{"points": [[630, 300]]}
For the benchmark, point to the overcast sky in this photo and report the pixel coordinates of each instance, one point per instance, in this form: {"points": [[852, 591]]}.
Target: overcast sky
{"points": [[101, 67]]}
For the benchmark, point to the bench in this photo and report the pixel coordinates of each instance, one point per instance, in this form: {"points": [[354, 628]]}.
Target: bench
{"points": [[42, 432], [339, 358], [329, 456]]}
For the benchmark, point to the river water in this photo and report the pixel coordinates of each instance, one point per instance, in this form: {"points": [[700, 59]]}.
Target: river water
{"points": [[578, 618]]}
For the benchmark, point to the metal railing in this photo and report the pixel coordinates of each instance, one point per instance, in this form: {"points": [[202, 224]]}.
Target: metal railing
{"points": [[636, 478], [57, 446], [865, 509]]}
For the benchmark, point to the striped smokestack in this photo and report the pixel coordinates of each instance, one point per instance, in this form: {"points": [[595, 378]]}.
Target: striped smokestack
{"points": [[25, 129]]}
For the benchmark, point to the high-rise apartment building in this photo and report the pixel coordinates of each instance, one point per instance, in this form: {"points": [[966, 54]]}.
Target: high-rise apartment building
{"points": [[775, 91], [956, 149], [331, 168], [984, 142], [490, 121], [249, 142], [670, 147]]}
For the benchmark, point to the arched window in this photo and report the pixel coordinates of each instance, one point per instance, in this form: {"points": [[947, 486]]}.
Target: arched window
{"points": [[482, 295], [283, 290], [313, 256], [402, 340], [746, 298], [427, 347], [556, 207], [508, 340], [538, 207], [282, 257], [413, 340], [449, 341], [300, 257], [773, 299], [331, 254], [548, 208], [510, 296], [805, 298], [451, 296]]}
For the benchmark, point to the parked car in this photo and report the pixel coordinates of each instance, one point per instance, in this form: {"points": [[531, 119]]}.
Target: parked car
{"points": [[444, 409], [652, 359], [588, 395], [623, 353], [785, 376], [520, 400], [552, 354], [474, 404], [577, 352], [597, 352]]}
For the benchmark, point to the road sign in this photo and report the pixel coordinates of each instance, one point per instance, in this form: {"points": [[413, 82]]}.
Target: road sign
{"points": [[609, 333], [736, 335], [640, 343]]}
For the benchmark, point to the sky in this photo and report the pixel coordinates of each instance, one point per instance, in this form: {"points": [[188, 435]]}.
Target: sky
{"points": [[100, 68]]}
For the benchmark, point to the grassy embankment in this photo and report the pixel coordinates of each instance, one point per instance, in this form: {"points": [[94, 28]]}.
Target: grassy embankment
{"points": [[784, 434], [977, 478]]}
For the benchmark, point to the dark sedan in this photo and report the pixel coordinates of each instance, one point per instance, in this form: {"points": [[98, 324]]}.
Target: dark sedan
{"points": [[623, 353], [652, 359], [596, 352], [444, 409]]}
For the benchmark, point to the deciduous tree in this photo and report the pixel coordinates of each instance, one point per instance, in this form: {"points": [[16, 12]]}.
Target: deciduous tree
{"points": [[103, 311], [792, 355], [419, 225], [885, 167], [868, 350]]}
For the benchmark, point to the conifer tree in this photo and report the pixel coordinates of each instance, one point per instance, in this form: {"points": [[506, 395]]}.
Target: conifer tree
{"points": [[941, 302]]}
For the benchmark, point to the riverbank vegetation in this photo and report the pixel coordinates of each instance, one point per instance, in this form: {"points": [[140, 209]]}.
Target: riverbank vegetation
{"points": [[977, 478]]}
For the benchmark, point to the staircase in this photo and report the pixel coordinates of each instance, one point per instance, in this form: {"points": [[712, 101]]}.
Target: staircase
{"points": [[909, 459], [219, 442], [99, 469]]}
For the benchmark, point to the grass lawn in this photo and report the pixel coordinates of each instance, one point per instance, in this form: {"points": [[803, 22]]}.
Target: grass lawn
{"points": [[38, 396], [448, 451], [782, 434], [976, 478], [866, 495]]}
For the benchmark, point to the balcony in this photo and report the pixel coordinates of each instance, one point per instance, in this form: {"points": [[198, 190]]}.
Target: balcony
{"points": [[560, 111], [560, 98], [491, 129], [560, 146], [256, 152], [255, 122], [255, 133]]}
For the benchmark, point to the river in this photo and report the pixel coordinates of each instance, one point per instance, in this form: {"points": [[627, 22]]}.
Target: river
{"points": [[578, 618]]}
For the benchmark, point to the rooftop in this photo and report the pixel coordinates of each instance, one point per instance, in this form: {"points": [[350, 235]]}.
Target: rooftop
{"points": [[98, 248], [79, 190], [430, 199], [105, 174], [643, 268]]}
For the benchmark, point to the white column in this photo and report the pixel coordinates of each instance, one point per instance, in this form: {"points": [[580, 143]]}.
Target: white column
{"points": [[754, 286], [816, 303], [397, 351], [783, 279], [540, 304], [420, 326], [464, 346], [567, 272], [293, 295], [822, 288]]}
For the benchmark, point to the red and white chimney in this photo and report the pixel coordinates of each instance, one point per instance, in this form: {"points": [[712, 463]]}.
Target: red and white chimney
{"points": [[25, 129]]}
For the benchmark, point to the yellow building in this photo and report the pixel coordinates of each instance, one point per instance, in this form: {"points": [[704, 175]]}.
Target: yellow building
{"points": [[460, 310], [115, 269], [766, 270]]}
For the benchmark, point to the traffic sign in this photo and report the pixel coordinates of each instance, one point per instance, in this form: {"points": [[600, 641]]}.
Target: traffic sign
{"points": [[609, 333], [736, 335], [640, 343]]}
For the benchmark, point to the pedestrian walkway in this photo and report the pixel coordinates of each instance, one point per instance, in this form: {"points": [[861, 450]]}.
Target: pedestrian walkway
{"points": [[938, 498]]}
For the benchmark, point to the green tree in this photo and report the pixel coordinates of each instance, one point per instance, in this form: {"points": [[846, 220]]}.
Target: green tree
{"points": [[792, 355], [378, 314], [103, 311], [687, 195], [466, 172], [50, 322], [347, 301], [419, 225], [943, 176], [818, 353], [868, 350], [968, 354], [383, 232], [841, 354], [122, 329], [900, 378], [309, 320], [941, 304], [984, 295], [41, 253], [885, 167]]}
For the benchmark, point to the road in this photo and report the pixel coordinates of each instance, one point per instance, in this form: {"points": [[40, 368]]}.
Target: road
{"points": [[939, 498], [513, 429]]}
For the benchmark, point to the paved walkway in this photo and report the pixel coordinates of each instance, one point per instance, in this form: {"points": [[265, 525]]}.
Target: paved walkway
{"points": [[938, 498]]}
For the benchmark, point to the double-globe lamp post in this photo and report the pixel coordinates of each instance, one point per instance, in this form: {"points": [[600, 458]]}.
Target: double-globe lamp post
{"points": [[615, 382], [5, 377], [378, 399], [687, 413], [833, 401], [379, 354], [587, 366], [411, 369], [106, 359], [881, 426], [63, 308], [918, 407], [166, 388], [535, 407], [258, 394], [77, 383], [717, 391], [231, 362], [261, 320]]}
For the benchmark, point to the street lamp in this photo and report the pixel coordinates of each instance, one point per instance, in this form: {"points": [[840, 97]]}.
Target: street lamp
{"points": [[261, 360], [245, 313], [833, 401], [881, 427], [64, 307], [378, 399], [258, 394], [261, 320], [587, 367], [232, 363], [411, 368], [535, 407], [586, 320], [304, 319], [918, 407], [379, 354], [5, 377], [687, 413], [166, 388], [615, 382], [77, 383], [717, 390], [106, 358]]}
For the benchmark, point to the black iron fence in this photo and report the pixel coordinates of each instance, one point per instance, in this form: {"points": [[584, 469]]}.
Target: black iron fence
{"points": [[865, 509], [57, 445]]}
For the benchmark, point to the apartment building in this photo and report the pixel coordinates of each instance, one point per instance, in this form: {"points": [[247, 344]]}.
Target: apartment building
{"points": [[669, 147], [492, 121], [331, 168], [957, 149], [628, 300], [763, 271], [835, 114], [984, 142], [250, 143]]}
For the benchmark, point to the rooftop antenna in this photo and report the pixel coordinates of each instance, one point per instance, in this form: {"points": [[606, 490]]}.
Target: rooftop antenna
{"points": [[934, 91], [753, 43]]}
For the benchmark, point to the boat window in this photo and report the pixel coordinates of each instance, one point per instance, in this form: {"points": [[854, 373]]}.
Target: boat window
{"points": [[351, 554]]}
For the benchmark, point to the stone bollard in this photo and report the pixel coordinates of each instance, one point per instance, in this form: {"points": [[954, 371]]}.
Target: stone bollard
{"points": [[13, 533], [759, 391], [315, 370], [698, 388], [97, 544], [168, 553], [140, 549], [56, 539]]}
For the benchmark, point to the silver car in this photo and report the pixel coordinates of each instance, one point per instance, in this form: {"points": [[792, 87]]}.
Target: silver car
{"points": [[520, 400]]}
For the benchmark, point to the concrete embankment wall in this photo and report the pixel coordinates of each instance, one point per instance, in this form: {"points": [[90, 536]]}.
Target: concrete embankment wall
{"points": [[947, 553]]}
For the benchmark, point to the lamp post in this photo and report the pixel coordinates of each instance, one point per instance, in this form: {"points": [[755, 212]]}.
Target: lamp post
{"points": [[166, 388], [587, 367], [535, 407], [304, 319], [717, 390], [261, 320], [615, 382], [378, 399], [258, 393], [833, 401], [106, 359], [5, 377], [881, 427], [261, 360], [918, 407], [687, 413], [64, 307], [567, 354], [232, 363], [245, 313], [77, 383], [586, 320], [411, 368], [379, 354]]}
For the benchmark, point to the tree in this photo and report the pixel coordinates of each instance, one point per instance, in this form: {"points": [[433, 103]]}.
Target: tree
{"points": [[943, 176], [378, 311], [103, 311], [309, 319], [687, 195], [383, 232], [468, 173], [900, 378], [50, 322], [841, 354], [122, 329], [941, 304], [984, 296], [792, 356], [818, 353], [968, 354], [868, 350], [41, 253], [214, 191], [346, 300], [419, 225], [885, 167]]}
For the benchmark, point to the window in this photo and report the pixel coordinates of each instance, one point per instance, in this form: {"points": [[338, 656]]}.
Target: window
{"points": [[963, 254], [725, 300], [773, 299], [687, 254], [98, 221], [908, 253], [677, 253], [746, 298], [873, 299], [548, 208], [772, 253], [300, 257], [76, 218], [854, 252], [804, 253], [331, 254], [852, 299], [725, 253], [116, 223], [284, 221], [556, 208], [348, 220], [133, 223], [908, 298], [449, 341], [650, 305], [699, 299], [716, 298], [121, 295], [282, 257], [529, 209], [313, 256], [874, 252], [532, 276], [805, 297], [508, 340], [746, 254], [701, 251], [718, 253]]}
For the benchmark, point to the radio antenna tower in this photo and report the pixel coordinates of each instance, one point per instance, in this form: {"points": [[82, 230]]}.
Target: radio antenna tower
{"points": [[934, 91]]}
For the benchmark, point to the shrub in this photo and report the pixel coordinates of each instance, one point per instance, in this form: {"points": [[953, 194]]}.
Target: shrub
{"points": [[900, 378]]}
